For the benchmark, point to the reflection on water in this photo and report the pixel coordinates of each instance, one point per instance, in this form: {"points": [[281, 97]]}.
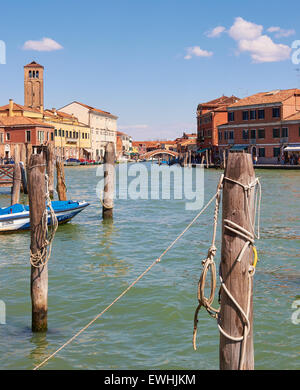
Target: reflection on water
{"points": [[92, 262]]}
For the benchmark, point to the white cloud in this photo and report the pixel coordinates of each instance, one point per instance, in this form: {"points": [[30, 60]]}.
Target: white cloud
{"points": [[215, 32], [263, 49], [45, 44], [197, 51], [281, 32], [242, 29]]}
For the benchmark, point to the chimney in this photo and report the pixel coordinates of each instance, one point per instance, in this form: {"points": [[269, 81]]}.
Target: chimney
{"points": [[11, 107], [54, 110]]}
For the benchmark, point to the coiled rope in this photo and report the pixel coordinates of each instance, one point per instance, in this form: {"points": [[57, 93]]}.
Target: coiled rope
{"points": [[209, 265], [42, 256], [129, 287]]}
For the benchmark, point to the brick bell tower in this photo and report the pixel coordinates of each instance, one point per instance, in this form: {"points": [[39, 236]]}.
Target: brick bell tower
{"points": [[34, 85]]}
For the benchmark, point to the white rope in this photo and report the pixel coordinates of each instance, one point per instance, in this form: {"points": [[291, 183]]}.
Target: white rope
{"points": [[129, 287], [210, 264], [42, 256]]}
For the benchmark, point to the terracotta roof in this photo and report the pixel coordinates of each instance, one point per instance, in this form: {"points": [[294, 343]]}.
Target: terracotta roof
{"points": [[276, 96], [19, 107], [33, 64], [21, 121], [221, 101], [188, 142], [94, 109], [59, 113]]}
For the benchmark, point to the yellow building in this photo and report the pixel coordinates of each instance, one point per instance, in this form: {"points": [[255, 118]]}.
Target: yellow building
{"points": [[72, 139]]}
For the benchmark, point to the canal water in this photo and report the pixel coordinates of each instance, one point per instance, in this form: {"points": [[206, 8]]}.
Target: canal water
{"points": [[151, 326]]}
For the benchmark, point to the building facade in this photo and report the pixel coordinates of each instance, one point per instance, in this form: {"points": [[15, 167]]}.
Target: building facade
{"points": [[103, 126], [72, 139], [264, 124], [210, 115], [22, 125]]}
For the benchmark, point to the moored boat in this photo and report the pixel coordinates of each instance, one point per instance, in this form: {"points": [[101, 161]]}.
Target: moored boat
{"points": [[16, 217]]}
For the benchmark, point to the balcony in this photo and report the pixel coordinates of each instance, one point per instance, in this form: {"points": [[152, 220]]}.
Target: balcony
{"points": [[71, 140]]}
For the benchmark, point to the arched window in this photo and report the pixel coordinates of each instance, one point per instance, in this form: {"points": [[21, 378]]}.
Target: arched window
{"points": [[33, 74], [30, 74], [37, 74]]}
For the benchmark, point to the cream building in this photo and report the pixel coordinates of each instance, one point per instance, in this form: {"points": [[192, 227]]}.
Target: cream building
{"points": [[72, 138], [103, 126]]}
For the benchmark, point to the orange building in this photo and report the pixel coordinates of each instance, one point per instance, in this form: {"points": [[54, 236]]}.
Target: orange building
{"points": [[17, 127], [266, 124], [210, 115]]}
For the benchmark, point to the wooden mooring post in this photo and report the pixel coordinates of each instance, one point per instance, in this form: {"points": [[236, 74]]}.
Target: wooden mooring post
{"points": [[109, 182], [39, 275], [61, 184], [235, 273], [50, 169], [15, 190]]}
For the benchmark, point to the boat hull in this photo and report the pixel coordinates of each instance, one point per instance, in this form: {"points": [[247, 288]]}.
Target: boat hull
{"points": [[21, 221]]}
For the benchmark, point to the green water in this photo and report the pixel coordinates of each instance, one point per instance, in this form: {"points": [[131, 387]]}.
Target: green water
{"points": [[151, 326]]}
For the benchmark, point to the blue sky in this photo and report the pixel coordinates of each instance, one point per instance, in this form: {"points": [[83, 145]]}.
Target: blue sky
{"points": [[149, 62]]}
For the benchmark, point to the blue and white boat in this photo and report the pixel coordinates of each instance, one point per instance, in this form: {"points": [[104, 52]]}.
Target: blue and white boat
{"points": [[16, 217]]}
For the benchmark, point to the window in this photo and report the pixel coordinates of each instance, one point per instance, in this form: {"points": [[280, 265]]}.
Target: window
{"points": [[252, 114], [225, 135], [74, 134], [231, 135], [261, 114], [220, 135], [63, 133], [30, 74], [37, 74], [245, 115], [245, 134], [261, 152], [276, 112], [41, 136], [1, 138], [28, 136], [261, 134], [55, 132], [284, 132], [276, 133], [231, 117], [7, 136], [253, 134], [276, 152], [59, 132], [52, 136]]}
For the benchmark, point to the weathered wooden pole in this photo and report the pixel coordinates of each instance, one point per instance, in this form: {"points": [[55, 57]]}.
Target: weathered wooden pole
{"points": [[235, 273], [190, 158], [50, 169], [15, 191], [39, 275], [224, 158], [61, 185], [207, 162], [109, 181]]}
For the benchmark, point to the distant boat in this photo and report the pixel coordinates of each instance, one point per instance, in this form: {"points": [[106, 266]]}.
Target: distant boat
{"points": [[16, 217]]}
